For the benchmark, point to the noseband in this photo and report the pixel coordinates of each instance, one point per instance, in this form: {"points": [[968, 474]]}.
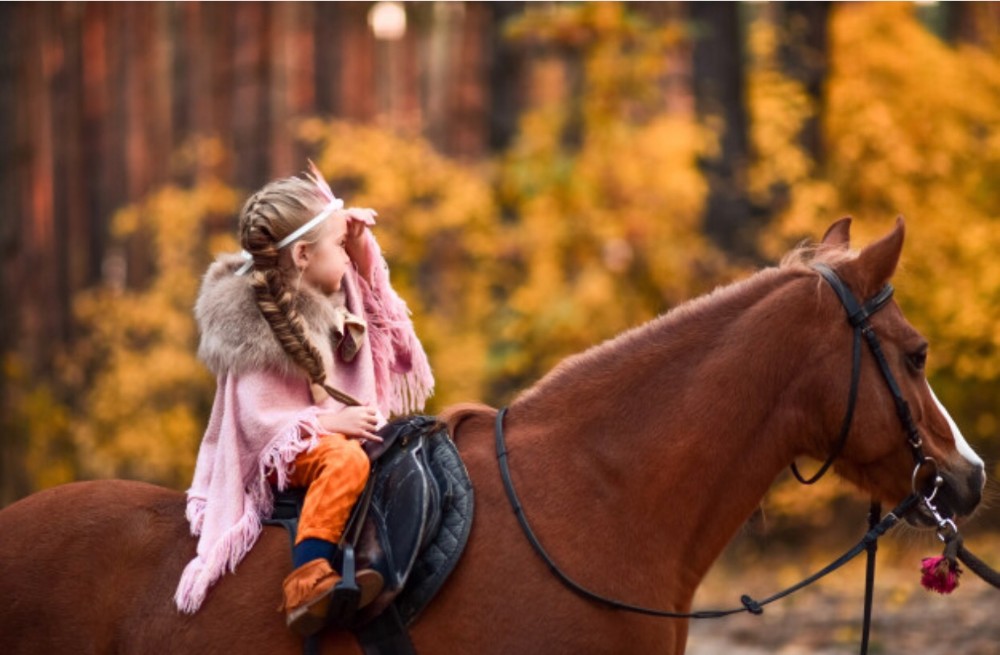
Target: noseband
{"points": [[858, 316]]}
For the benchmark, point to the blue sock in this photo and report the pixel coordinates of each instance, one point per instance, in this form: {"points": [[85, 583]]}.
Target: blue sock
{"points": [[309, 549]]}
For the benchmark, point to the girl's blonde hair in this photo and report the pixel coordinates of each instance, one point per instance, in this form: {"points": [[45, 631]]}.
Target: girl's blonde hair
{"points": [[267, 217]]}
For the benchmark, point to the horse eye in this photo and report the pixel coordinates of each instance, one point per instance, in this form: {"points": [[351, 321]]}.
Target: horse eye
{"points": [[918, 358]]}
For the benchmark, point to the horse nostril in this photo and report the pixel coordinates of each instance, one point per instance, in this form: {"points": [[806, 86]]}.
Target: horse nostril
{"points": [[977, 480], [963, 496]]}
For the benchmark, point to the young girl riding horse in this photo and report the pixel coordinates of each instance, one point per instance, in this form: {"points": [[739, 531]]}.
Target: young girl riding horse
{"points": [[296, 329]]}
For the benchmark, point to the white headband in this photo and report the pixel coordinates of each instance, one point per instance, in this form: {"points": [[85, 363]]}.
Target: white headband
{"points": [[331, 207]]}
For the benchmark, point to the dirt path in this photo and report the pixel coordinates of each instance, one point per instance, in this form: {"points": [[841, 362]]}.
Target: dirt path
{"points": [[826, 619]]}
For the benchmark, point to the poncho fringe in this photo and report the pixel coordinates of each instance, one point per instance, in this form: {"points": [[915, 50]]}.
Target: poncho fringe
{"points": [[233, 545]]}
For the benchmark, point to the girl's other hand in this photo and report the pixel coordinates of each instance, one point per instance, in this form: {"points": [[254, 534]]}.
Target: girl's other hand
{"points": [[355, 422], [357, 249]]}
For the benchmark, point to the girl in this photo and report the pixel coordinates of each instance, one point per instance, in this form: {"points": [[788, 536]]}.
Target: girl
{"points": [[296, 329]]}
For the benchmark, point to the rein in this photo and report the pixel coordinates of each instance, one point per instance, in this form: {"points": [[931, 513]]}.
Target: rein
{"points": [[748, 603], [857, 315]]}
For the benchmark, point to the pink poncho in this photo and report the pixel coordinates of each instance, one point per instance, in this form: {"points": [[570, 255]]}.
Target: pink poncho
{"points": [[264, 415]]}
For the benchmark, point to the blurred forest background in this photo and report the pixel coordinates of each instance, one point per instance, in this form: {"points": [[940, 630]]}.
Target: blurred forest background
{"points": [[546, 175]]}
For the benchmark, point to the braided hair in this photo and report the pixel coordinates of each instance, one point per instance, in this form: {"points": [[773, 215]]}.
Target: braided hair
{"points": [[267, 217]]}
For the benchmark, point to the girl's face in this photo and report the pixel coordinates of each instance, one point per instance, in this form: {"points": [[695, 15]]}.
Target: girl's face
{"points": [[324, 262]]}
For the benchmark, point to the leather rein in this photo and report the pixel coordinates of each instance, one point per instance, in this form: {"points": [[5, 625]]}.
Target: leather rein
{"points": [[858, 316]]}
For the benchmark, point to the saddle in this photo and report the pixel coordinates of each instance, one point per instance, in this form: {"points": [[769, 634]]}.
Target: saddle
{"points": [[411, 524]]}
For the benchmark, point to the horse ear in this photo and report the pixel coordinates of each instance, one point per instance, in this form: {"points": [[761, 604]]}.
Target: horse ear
{"points": [[877, 261], [838, 235]]}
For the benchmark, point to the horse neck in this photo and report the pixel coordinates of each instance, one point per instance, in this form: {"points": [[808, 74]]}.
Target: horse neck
{"points": [[677, 428]]}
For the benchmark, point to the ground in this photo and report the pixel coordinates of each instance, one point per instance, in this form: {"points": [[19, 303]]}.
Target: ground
{"points": [[825, 619]]}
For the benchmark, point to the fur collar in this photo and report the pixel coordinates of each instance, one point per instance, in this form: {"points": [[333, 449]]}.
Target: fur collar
{"points": [[236, 338]]}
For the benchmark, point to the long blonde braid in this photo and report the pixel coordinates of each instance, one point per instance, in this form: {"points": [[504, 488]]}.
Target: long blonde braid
{"points": [[267, 217]]}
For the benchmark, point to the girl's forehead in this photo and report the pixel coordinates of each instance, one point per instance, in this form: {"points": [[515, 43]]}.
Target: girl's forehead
{"points": [[336, 224]]}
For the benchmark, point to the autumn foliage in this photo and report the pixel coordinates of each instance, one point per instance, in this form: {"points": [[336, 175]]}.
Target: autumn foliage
{"points": [[590, 222]]}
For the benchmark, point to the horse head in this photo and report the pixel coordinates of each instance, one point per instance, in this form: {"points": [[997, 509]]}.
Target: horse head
{"points": [[901, 438]]}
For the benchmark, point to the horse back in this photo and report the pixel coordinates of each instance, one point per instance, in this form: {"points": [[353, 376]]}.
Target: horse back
{"points": [[74, 555], [92, 567]]}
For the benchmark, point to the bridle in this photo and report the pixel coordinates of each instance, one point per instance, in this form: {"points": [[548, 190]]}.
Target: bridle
{"points": [[858, 315]]}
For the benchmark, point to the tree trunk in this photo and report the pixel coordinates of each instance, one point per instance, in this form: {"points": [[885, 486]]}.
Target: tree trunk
{"points": [[720, 101], [250, 118], [975, 23], [13, 481], [357, 72], [803, 55], [97, 129], [506, 67]]}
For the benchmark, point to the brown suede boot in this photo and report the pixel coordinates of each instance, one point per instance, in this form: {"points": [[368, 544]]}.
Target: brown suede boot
{"points": [[308, 590]]}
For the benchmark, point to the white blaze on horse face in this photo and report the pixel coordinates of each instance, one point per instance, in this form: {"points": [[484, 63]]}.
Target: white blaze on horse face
{"points": [[963, 447]]}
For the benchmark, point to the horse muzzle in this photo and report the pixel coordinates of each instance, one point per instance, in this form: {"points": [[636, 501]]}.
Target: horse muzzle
{"points": [[958, 496]]}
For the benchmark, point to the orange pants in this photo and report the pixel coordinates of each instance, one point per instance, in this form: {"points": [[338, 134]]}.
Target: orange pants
{"points": [[335, 472]]}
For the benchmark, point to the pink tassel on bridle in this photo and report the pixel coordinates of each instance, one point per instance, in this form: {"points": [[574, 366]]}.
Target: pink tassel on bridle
{"points": [[940, 574]]}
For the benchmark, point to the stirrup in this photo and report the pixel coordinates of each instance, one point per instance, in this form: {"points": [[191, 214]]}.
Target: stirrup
{"points": [[354, 591]]}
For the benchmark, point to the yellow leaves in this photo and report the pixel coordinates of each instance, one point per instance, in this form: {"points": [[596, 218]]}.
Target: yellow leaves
{"points": [[35, 410], [912, 127], [140, 393], [904, 105], [511, 265], [608, 228]]}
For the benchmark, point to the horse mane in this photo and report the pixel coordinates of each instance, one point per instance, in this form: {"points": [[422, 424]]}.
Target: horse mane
{"points": [[807, 253], [652, 336]]}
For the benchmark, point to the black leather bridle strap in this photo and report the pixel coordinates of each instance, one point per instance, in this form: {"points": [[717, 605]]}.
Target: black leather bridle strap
{"points": [[874, 512], [857, 316], [902, 407], [845, 426]]}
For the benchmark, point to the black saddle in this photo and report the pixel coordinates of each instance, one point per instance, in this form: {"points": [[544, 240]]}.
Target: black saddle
{"points": [[411, 524]]}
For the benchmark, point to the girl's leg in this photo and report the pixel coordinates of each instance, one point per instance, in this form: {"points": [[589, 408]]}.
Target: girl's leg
{"points": [[335, 472]]}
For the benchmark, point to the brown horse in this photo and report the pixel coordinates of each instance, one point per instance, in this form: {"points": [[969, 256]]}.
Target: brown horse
{"points": [[636, 462]]}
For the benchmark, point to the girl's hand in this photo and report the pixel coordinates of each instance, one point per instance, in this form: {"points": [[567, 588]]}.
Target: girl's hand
{"points": [[357, 249], [355, 422]]}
